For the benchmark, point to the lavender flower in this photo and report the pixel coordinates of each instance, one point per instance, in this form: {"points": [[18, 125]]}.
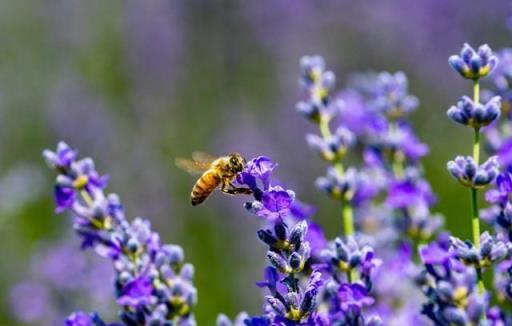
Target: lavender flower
{"points": [[351, 186], [472, 64], [316, 79], [352, 298], [450, 288], [289, 251], [153, 284], [257, 174], [334, 147], [399, 140], [435, 254], [397, 298], [468, 173], [392, 95], [474, 115], [490, 251], [275, 203], [350, 257]]}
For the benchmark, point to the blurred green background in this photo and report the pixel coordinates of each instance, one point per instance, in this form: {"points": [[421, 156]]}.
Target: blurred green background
{"points": [[135, 84]]}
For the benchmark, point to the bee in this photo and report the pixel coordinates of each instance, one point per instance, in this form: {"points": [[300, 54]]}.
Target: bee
{"points": [[216, 171]]}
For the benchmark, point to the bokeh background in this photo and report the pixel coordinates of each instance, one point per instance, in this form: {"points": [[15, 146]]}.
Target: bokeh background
{"points": [[135, 84]]}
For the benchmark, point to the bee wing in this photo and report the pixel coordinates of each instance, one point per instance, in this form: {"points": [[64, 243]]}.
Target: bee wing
{"points": [[192, 166], [204, 158]]}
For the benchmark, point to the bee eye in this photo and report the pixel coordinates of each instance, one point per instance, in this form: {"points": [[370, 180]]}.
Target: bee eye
{"points": [[233, 160]]}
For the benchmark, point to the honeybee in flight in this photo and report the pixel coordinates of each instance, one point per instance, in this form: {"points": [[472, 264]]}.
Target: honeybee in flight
{"points": [[215, 172]]}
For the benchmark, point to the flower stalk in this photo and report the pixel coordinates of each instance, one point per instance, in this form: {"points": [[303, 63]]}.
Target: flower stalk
{"points": [[475, 223]]}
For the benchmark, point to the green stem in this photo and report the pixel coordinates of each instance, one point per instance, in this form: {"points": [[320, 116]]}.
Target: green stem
{"points": [[481, 285], [476, 147], [397, 164], [475, 219], [324, 127], [348, 219], [476, 92], [87, 198], [347, 212]]}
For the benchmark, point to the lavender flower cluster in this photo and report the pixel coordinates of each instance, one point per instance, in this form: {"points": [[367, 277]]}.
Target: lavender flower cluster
{"points": [[392, 262], [152, 282]]}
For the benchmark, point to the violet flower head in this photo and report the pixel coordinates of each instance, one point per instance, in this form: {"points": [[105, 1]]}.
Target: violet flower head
{"points": [[355, 113], [153, 283], [315, 78], [318, 84], [471, 64], [491, 251], [294, 308], [453, 297], [475, 115], [410, 192], [334, 147], [288, 252], [275, 203], [289, 300], [353, 297], [351, 300], [257, 174], [392, 95], [344, 257], [75, 175], [398, 140], [434, 254], [450, 286], [466, 171], [62, 158], [353, 185], [271, 202]]}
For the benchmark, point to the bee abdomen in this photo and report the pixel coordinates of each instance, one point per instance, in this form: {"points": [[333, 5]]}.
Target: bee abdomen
{"points": [[204, 187]]}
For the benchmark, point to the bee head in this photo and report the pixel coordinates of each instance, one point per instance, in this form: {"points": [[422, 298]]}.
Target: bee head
{"points": [[236, 163]]}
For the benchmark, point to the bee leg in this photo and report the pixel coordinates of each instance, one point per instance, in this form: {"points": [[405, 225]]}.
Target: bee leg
{"points": [[240, 191], [229, 189]]}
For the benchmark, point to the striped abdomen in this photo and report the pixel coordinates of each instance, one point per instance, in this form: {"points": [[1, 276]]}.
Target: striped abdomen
{"points": [[204, 187]]}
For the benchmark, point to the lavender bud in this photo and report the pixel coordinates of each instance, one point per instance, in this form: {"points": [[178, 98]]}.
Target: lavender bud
{"points": [[295, 262], [267, 237], [281, 230], [309, 110], [475, 115], [276, 304], [470, 175], [278, 262], [471, 64], [298, 233]]}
